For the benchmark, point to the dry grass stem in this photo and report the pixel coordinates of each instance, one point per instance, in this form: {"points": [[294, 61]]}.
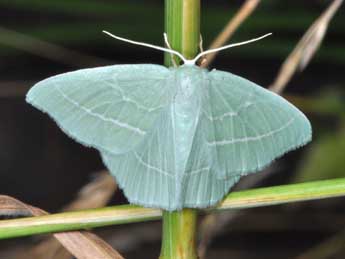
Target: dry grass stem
{"points": [[246, 10], [81, 244], [95, 194], [305, 48]]}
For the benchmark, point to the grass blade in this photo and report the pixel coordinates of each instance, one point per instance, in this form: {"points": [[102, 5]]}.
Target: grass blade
{"points": [[129, 213]]}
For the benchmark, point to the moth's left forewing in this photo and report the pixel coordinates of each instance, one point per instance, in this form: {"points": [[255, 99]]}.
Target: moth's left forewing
{"points": [[110, 108], [252, 126]]}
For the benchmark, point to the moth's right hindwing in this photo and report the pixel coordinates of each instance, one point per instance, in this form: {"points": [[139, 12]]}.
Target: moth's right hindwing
{"points": [[110, 108]]}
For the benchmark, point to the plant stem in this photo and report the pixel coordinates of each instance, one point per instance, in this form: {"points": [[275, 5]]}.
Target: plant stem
{"points": [[124, 214], [182, 25], [179, 229]]}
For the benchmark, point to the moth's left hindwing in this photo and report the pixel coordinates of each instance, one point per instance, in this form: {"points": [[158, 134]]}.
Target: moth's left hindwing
{"points": [[251, 125], [109, 108]]}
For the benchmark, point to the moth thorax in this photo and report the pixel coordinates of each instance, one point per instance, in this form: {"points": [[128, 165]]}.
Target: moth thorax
{"points": [[186, 87]]}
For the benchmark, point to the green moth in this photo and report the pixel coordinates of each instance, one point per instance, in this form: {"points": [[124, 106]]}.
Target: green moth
{"points": [[173, 137]]}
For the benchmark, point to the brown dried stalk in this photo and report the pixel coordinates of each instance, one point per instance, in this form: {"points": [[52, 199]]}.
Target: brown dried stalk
{"points": [[246, 10], [95, 194], [305, 48], [82, 244]]}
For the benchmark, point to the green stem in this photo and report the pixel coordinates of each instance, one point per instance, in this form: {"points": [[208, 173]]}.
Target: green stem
{"points": [[179, 231], [123, 214], [182, 25]]}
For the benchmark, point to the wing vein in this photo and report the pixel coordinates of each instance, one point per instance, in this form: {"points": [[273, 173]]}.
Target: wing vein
{"points": [[101, 117]]}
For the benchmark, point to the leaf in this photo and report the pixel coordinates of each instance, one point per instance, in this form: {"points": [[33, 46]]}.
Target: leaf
{"points": [[117, 215], [95, 194], [10, 207], [82, 245]]}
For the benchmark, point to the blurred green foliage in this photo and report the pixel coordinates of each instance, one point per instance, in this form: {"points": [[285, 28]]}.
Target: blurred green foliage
{"points": [[325, 159], [329, 103]]}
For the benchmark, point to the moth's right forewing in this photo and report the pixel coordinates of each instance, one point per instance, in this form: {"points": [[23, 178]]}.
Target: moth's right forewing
{"points": [[252, 126], [110, 108]]}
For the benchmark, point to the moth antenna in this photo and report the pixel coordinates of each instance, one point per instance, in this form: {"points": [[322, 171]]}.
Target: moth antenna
{"points": [[229, 46], [147, 45]]}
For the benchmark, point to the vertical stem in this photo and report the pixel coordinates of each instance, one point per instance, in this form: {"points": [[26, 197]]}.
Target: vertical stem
{"points": [[179, 231], [182, 25]]}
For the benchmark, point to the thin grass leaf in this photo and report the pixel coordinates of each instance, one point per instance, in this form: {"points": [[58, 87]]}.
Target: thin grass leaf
{"points": [[95, 194], [82, 245], [10, 207], [123, 214]]}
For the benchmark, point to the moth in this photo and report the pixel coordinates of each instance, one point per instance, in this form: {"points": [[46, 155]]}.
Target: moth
{"points": [[173, 137]]}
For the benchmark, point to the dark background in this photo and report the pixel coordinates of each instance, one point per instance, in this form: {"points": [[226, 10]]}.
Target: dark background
{"points": [[42, 166]]}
